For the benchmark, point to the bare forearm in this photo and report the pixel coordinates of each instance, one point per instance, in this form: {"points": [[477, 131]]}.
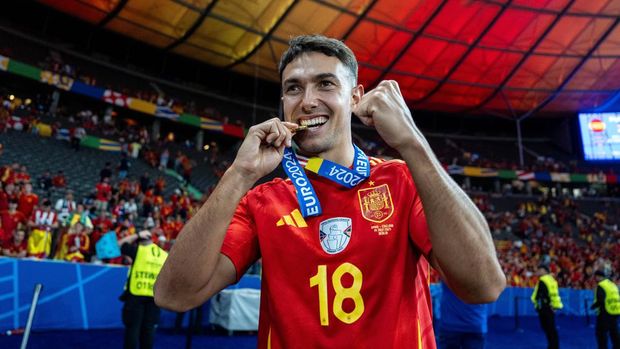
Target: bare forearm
{"points": [[462, 244], [194, 256]]}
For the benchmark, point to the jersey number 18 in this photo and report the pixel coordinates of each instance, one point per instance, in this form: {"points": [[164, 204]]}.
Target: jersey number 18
{"points": [[342, 293]]}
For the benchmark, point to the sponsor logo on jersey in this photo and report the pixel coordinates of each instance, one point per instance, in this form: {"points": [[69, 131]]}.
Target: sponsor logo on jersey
{"points": [[376, 203], [334, 234], [295, 219]]}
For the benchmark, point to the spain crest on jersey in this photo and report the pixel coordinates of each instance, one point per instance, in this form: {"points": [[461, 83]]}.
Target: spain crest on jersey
{"points": [[376, 203], [335, 233]]}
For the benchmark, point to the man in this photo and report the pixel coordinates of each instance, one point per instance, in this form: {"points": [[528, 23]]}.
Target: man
{"points": [[65, 207], [343, 259], [16, 247], [546, 299], [27, 201], [43, 223], [462, 326], [104, 193], [607, 305], [11, 219], [140, 314]]}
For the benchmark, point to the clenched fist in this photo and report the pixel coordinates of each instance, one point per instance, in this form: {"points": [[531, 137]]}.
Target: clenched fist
{"points": [[384, 108]]}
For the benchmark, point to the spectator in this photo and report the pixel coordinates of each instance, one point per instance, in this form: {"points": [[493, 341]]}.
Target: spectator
{"points": [[145, 182], [11, 219], [106, 172], [43, 222], [81, 216], [59, 180], [44, 182], [163, 159], [131, 209], [123, 167], [135, 149], [104, 193], [76, 138], [22, 176], [27, 201], [17, 246], [77, 244], [65, 207]]}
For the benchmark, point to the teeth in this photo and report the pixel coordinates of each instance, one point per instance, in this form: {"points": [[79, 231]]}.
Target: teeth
{"points": [[315, 121]]}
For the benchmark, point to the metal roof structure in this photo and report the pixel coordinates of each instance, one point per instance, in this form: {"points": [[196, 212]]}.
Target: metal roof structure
{"points": [[520, 57]]}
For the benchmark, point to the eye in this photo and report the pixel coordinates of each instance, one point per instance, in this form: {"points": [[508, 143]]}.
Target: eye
{"points": [[292, 89], [326, 84]]}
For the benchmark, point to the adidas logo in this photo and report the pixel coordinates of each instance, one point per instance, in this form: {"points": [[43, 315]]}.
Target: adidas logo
{"points": [[295, 219]]}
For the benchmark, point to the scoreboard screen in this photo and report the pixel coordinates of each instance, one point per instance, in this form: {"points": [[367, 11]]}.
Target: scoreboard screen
{"points": [[600, 136]]}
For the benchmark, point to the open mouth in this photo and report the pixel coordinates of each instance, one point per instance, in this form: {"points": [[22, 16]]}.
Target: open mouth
{"points": [[314, 122]]}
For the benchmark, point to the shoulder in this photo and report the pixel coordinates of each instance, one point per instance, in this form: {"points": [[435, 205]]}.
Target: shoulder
{"points": [[394, 168], [267, 189]]}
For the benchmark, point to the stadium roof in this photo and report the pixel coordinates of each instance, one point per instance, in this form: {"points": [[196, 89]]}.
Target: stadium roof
{"points": [[508, 56]]}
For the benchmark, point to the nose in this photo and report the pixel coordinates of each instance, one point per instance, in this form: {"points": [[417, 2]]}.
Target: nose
{"points": [[309, 101]]}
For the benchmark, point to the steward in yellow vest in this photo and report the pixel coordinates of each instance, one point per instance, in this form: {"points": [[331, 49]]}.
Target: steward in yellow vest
{"points": [[546, 299], [607, 305], [548, 295], [140, 313]]}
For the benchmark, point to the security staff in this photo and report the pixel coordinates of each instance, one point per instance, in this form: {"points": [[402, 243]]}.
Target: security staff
{"points": [[546, 299], [607, 305], [140, 314]]}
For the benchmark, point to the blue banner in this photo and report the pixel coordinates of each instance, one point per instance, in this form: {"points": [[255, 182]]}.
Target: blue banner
{"points": [[87, 90]]}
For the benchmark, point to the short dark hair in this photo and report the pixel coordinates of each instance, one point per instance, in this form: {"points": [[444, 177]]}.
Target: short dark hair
{"points": [[319, 43]]}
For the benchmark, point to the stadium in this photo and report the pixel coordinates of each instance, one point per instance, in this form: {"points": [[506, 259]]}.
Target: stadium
{"points": [[131, 125]]}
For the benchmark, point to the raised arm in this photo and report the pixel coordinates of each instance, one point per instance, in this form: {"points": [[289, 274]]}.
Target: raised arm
{"points": [[195, 269], [463, 250]]}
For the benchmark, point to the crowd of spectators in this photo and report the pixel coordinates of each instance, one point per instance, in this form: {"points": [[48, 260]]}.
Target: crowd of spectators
{"points": [[69, 228], [555, 233], [57, 63], [135, 140]]}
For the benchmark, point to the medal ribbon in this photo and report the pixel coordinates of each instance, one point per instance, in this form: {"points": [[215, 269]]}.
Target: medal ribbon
{"points": [[306, 196]]}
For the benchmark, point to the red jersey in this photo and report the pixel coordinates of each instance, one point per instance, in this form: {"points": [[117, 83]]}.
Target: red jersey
{"points": [[13, 248], [10, 222], [4, 200], [103, 191], [27, 202], [353, 277], [22, 177]]}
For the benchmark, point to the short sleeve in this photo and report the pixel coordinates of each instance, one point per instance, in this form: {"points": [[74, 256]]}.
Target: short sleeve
{"points": [[418, 229], [241, 241]]}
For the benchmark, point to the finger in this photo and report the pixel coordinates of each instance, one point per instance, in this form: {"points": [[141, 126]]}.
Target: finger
{"points": [[273, 132], [281, 136], [290, 125], [396, 87], [286, 133], [290, 129], [362, 108], [368, 121]]}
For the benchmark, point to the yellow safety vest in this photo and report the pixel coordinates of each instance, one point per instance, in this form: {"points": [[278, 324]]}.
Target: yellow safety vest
{"points": [[612, 297], [552, 289], [149, 261]]}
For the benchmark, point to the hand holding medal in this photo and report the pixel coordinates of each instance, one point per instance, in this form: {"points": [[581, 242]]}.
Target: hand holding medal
{"points": [[263, 147]]}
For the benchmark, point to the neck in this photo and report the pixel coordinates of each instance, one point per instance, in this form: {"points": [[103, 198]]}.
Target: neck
{"points": [[342, 155]]}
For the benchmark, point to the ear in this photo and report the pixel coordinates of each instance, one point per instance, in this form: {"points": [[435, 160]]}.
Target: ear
{"points": [[356, 95]]}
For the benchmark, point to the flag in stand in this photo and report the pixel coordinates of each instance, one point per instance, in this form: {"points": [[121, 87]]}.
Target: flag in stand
{"points": [[166, 112], [115, 98]]}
